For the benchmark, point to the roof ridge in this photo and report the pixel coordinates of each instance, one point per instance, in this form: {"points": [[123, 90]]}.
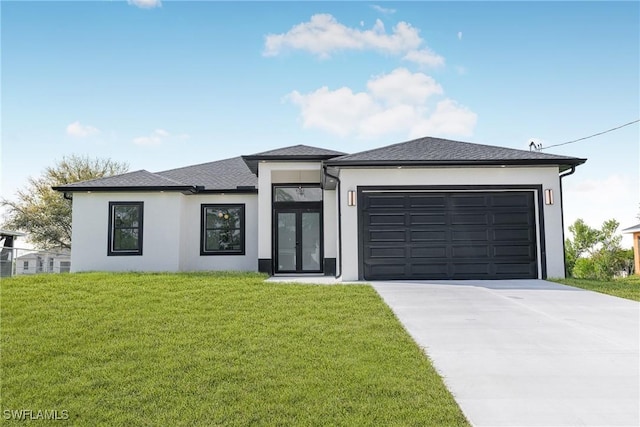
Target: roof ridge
{"points": [[199, 164]]}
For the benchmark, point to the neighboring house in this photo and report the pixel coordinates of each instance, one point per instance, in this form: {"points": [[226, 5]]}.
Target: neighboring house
{"points": [[8, 251], [43, 262], [423, 209], [635, 232]]}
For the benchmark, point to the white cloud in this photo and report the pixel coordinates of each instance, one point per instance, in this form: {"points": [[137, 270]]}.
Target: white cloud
{"points": [[459, 35], [384, 10], [337, 112], [401, 86], [145, 4], [397, 102], [155, 138], [78, 130], [449, 118], [424, 57], [323, 35]]}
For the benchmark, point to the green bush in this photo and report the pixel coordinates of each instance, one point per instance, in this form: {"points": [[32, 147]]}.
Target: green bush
{"points": [[584, 268]]}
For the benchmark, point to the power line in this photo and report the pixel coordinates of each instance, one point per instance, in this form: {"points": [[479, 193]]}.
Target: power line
{"points": [[540, 147]]}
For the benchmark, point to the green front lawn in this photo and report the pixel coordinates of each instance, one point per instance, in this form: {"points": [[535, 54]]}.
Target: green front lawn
{"points": [[211, 349], [628, 288]]}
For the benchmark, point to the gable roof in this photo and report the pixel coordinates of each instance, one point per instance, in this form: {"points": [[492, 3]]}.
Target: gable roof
{"points": [[231, 175], [295, 152], [634, 229], [440, 152]]}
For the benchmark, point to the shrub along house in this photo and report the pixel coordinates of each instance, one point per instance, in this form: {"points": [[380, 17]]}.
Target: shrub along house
{"points": [[423, 209]]}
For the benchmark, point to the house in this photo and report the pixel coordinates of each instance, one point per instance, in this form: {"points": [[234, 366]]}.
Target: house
{"points": [[43, 262], [428, 208], [7, 251], [635, 232]]}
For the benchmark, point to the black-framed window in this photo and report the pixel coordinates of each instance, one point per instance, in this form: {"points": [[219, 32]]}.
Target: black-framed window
{"points": [[222, 230], [125, 228]]}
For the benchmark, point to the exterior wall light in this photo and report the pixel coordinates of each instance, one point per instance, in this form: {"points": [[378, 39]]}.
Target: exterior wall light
{"points": [[548, 196], [351, 198]]}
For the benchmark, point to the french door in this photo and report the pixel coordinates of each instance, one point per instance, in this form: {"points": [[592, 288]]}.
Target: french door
{"points": [[298, 240]]}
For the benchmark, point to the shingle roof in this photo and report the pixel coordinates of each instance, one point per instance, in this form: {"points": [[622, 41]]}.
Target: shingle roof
{"points": [[295, 152], [434, 151], [219, 175], [229, 174], [141, 178], [240, 173]]}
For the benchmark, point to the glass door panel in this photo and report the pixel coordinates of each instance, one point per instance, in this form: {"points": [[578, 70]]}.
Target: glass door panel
{"points": [[310, 241], [287, 246]]}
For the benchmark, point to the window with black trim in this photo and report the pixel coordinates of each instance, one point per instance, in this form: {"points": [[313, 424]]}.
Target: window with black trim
{"points": [[222, 230], [125, 228]]}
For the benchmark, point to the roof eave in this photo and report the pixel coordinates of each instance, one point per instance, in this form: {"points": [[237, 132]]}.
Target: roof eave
{"points": [[252, 160], [564, 164], [182, 189]]}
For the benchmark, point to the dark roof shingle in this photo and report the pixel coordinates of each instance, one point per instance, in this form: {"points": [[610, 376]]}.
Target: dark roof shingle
{"points": [[295, 152], [433, 151], [141, 178], [228, 174]]}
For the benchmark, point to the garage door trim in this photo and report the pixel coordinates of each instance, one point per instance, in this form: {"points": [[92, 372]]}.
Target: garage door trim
{"points": [[538, 197]]}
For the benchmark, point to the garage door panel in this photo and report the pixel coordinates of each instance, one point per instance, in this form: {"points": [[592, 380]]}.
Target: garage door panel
{"points": [[382, 252], [434, 270], [427, 201], [516, 200], [479, 269], [427, 219], [512, 251], [473, 218], [519, 269], [470, 200], [427, 252], [387, 236], [427, 236], [470, 235], [458, 251], [510, 218], [448, 235], [385, 201], [513, 234], [385, 270], [387, 219]]}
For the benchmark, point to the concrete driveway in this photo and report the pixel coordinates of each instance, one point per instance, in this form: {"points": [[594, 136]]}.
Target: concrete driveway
{"points": [[527, 352]]}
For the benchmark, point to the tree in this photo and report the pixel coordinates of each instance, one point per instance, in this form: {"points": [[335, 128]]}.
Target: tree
{"points": [[594, 253], [43, 212]]}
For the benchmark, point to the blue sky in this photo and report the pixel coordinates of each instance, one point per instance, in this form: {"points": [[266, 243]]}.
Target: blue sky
{"points": [[164, 85]]}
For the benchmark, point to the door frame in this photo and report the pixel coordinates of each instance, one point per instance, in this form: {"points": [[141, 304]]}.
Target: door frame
{"points": [[298, 208]]}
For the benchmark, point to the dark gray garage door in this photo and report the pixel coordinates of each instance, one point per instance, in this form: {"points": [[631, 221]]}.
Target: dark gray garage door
{"points": [[448, 235]]}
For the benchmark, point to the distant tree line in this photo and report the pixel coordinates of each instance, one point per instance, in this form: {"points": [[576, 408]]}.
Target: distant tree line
{"points": [[43, 213]]}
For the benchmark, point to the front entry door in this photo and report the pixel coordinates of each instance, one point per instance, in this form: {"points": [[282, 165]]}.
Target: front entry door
{"points": [[298, 240]]}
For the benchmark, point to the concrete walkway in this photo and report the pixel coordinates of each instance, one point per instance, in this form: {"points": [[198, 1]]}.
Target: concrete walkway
{"points": [[527, 352]]}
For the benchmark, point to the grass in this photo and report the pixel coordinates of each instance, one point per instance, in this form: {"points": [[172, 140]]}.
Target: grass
{"points": [[212, 349], [628, 288]]}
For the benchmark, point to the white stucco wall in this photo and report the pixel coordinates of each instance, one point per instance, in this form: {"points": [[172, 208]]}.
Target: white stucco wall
{"points": [[171, 233], [161, 232], [351, 179], [278, 172], [190, 234]]}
